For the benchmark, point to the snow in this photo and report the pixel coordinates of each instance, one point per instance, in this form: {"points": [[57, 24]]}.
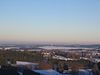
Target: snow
{"points": [[53, 72], [25, 63], [47, 72]]}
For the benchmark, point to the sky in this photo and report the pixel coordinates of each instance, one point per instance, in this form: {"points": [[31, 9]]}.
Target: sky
{"points": [[52, 21]]}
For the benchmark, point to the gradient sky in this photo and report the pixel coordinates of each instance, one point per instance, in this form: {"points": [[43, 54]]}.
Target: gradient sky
{"points": [[69, 21]]}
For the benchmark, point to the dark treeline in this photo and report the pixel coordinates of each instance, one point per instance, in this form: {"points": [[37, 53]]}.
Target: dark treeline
{"points": [[14, 56]]}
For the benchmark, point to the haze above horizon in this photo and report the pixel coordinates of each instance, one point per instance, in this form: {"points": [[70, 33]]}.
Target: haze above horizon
{"points": [[67, 21]]}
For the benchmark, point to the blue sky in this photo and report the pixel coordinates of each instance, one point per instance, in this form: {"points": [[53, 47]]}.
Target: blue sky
{"points": [[68, 21]]}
